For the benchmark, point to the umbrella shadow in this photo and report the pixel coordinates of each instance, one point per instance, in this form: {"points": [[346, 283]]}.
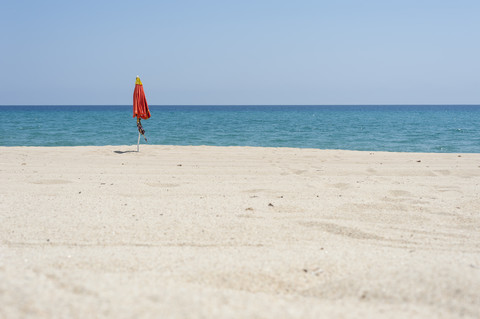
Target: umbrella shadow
{"points": [[123, 152]]}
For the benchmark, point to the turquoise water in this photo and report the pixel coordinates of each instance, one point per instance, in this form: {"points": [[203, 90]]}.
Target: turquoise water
{"points": [[369, 128]]}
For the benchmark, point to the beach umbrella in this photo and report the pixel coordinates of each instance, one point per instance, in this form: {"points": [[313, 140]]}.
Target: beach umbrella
{"points": [[140, 108]]}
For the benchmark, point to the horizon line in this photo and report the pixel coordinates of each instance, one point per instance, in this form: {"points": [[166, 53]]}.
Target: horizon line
{"points": [[348, 104]]}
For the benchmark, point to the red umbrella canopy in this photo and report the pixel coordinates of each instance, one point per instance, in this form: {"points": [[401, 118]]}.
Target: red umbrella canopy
{"points": [[140, 106]]}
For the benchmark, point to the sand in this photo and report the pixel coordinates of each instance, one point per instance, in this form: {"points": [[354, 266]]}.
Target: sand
{"points": [[237, 232]]}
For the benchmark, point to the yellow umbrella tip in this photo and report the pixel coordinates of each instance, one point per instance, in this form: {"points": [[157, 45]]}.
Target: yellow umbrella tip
{"points": [[138, 81]]}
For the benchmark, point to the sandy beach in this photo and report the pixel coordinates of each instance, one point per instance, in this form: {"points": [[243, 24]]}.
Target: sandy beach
{"points": [[237, 232]]}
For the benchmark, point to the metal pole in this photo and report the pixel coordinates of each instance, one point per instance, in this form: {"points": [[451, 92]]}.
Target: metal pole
{"points": [[138, 142]]}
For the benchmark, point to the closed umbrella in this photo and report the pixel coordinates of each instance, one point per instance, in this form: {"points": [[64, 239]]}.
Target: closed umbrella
{"points": [[140, 109]]}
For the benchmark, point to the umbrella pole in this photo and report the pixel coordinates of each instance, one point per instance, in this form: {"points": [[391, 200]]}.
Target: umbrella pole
{"points": [[138, 142]]}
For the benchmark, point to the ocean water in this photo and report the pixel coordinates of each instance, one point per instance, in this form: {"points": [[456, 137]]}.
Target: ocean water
{"points": [[399, 128]]}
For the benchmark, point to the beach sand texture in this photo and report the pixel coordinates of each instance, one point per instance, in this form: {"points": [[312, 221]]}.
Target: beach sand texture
{"points": [[238, 232]]}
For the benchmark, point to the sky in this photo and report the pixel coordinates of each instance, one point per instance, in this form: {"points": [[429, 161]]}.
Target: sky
{"points": [[240, 52]]}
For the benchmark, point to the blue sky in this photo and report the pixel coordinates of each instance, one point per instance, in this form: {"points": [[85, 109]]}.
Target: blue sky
{"points": [[240, 52]]}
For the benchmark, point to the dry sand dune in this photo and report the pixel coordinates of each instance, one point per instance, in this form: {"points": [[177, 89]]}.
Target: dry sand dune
{"points": [[238, 232]]}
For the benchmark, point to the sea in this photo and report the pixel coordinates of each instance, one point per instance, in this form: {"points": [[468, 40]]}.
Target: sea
{"points": [[393, 128]]}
